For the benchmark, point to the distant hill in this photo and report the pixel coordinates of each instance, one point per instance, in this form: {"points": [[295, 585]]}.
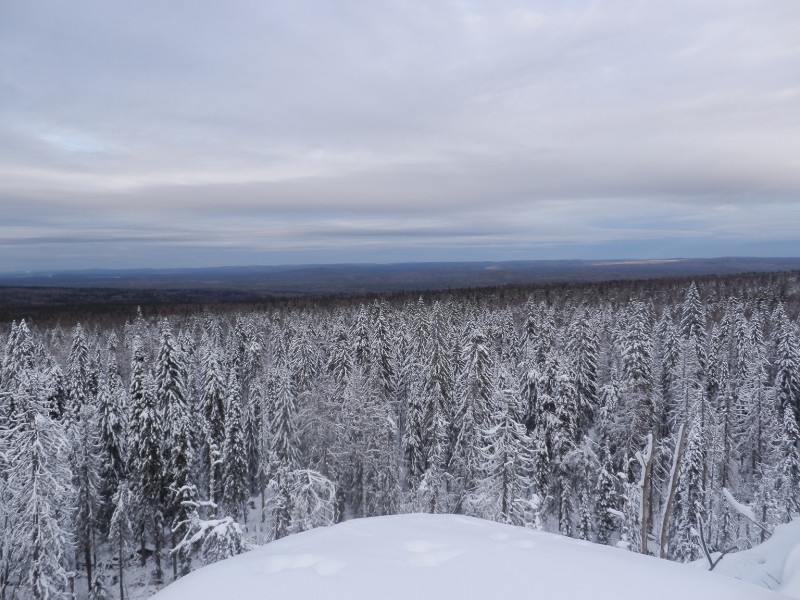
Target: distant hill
{"points": [[151, 286], [355, 278]]}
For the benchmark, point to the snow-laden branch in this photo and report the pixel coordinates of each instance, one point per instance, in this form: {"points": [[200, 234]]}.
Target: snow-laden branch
{"points": [[744, 510]]}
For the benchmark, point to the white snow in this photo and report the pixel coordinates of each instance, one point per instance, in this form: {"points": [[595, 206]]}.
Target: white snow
{"points": [[742, 509], [422, 557], [774, 564]]}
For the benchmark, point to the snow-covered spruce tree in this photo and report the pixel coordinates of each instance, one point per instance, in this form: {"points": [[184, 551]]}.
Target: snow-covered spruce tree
{"points": [[787, 360], [584, 345], [693, 323], [39, 496], [281, 413], [281, 486], [174, 403], [304, 358], [250, 394], [381, 349], [112, 399], [234, 473], [78, 372], [689, 499], [668, 369], [438, 376], [19, 356], [182, 490], [503, 492], [361, 338], [86, 451], [145, 458], [788, 468], [585, 515], [212, 406], [340, 362], [474, 391], [607, 502], [582, 465], [173, 400], [637, 362], [753, 410], [417, 434], [565, 506], [383, 475], [121, 531]]}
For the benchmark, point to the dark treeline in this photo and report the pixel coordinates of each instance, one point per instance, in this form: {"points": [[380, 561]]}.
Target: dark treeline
{"points": [[633, 413]]}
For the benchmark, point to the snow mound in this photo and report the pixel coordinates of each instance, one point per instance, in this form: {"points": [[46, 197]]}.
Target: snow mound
{"points": [[443, 556], [773, 564]]}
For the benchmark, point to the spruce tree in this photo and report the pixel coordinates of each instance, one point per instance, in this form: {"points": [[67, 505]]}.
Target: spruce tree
{"points": [[146, 460], [40, 495], [234, 475], [606, 498]]}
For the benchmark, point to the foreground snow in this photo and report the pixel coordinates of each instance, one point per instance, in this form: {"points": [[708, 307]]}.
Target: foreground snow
{"points": [[423, 557], [774, 564]]}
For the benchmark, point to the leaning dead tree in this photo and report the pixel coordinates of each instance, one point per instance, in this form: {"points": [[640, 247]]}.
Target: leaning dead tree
{"points": [[673, 488], [704, 545], [645, 458]]}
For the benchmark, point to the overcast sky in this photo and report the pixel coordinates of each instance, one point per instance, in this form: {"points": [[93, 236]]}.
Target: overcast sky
{"points": [[209, 133]]}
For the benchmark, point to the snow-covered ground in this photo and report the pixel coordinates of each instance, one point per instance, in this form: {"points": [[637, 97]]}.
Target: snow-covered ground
{"points": [[421, 557], [774, 564]]}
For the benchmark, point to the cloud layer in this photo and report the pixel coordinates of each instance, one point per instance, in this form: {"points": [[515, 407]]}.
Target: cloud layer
{"points": [[204, 133]]}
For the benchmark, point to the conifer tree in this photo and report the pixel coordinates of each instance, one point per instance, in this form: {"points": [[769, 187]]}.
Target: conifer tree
{"points": [[381, 350], [787, 360], [282, 409], [506, 464], [78, 372], [693, 322], [212, 406], [585, 516], [606, 498], [85, 454], [40, 494], [417, 433], [112, 424], [146, 460], [637, 363], [340, 363], [234, 475], [584, 346], [120, 531], [173, 399], [688, 501]]}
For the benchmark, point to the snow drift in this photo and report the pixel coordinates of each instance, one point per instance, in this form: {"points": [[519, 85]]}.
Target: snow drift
{"points": [[774, 564], [442, 556]]}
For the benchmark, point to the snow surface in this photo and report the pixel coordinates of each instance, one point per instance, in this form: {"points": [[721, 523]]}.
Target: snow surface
{"points": [[420, 557], [774, 564]]}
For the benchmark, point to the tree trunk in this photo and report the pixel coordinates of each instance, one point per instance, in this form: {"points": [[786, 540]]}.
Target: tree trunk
{"points": [[673, 488], [87, 556], [121, 570], [646, 460]]}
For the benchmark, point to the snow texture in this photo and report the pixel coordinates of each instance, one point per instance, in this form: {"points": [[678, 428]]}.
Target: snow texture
{"points": [[441, 556], [774, 564]]}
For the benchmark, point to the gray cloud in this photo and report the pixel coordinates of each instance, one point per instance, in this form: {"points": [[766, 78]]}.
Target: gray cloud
{"points": [[287, 132]]}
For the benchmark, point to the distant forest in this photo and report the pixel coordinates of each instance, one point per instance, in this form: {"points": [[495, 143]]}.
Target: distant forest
{"points": [[660, 415]]}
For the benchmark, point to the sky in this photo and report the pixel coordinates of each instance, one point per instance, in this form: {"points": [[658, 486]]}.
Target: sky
{"points": [[245, 132]]}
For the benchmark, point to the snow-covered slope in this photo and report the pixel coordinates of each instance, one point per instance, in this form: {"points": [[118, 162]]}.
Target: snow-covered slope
{"points": [[420, 557], [775, 564]]}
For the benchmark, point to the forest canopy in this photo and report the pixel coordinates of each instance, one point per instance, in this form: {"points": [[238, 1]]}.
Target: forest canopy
{"points": [[661, 416]]}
